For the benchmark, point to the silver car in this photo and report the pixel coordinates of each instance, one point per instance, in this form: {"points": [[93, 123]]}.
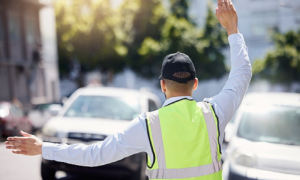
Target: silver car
{"points": [[90, 115], [265, 142]]}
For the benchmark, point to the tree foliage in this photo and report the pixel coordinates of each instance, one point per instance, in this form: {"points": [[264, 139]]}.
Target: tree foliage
{"points": [[138, 34], [90, 31], [282, 65], [170, 30]]}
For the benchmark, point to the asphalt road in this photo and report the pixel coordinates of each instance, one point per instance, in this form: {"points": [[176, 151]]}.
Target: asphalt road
{"points": [[16, 167], [20, 167]]}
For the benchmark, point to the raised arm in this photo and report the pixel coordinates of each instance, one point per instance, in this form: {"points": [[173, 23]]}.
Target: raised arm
{"points": [[229, 99]]}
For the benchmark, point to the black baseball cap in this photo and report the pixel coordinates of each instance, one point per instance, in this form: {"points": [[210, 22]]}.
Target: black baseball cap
{"points": [[177, 62]]}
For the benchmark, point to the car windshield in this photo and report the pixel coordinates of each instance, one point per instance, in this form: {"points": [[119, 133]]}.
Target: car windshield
{"points": [[109, 107], [275, 124]]}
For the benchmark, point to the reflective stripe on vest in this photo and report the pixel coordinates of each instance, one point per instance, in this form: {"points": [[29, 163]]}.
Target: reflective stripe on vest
{"points": [[200, 160]]}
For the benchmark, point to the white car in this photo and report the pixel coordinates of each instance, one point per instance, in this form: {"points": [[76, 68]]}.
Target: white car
{"points": [[90, 115], [265, 143], [41, 113]]}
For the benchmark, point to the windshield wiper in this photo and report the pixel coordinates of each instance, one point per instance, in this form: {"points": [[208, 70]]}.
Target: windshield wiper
{"points": [[285, 143]]}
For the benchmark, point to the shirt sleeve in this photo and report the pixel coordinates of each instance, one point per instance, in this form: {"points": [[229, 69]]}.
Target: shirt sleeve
{"points": [[229, 99], [131, 140]]}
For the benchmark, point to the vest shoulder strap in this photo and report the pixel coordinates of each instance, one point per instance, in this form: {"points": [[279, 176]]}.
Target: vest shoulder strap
{"points": [[152, 120], [205, 106]]}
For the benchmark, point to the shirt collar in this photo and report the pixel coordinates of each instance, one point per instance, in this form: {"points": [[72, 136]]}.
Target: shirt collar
{"points": [[173, 99]]}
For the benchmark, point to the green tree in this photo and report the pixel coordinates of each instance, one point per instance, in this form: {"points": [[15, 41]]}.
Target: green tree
{"points": [[145, 51], [179, 8], [91, 31], [172, 30], [139, 35], [282, 65]]}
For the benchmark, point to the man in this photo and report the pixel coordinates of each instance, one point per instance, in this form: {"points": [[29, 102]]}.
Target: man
{"points": [[183, 138]]}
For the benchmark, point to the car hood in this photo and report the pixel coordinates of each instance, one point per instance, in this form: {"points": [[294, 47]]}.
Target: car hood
{"points": [[273, 157], [87, 125]]}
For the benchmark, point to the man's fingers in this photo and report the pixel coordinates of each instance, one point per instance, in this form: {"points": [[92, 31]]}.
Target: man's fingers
{"points": [[231, 6], [18, 143], [223, 5], [20, 152], [226, 4], [25, 134], [220, 3], [17, 138], [16, 147]]}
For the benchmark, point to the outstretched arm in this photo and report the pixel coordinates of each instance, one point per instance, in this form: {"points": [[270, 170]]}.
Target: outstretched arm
{"points": [[113, 148]]}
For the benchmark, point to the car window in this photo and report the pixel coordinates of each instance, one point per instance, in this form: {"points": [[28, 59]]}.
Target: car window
{"points": [[109, 107], [276, 124], [16, 111], [43, 107], [152, 106]]}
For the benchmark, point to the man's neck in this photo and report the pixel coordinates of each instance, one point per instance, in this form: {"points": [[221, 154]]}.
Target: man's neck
{"points": [[177, 95], [177, 98]]}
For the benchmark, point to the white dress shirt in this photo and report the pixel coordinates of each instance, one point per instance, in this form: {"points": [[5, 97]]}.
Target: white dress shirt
{"points": [[134, 138]]}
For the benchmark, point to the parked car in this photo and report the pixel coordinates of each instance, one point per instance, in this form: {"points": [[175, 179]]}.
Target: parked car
{"points": [[227, 136], [12, 120], [265, 143], [41, 113], [90, 115]]}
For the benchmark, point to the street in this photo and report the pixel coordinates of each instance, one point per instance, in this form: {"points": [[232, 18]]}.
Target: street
{"points": [[15, 167]]}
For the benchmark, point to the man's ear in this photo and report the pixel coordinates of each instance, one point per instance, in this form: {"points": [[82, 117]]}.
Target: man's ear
{"points": [[163, 85], [195, 84]]}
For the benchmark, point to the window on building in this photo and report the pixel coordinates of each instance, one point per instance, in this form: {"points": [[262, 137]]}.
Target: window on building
{"points": [[263, 23], [31, 30], [14, 33], [14, 28], [1, 28], [261, 29], [297, 17], [1, 38], [31, 33]]}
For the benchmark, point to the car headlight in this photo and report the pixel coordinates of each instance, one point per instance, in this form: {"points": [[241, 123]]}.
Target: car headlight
{"points": [[3, 113], [244, 158], [49, 131]]}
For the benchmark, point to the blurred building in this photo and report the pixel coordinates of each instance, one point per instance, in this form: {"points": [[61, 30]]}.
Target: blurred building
{"points": [[258, 19], [28, 55]]}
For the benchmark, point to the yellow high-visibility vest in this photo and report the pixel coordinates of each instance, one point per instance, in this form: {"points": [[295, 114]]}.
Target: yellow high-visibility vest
{"points": [[184, 138]]}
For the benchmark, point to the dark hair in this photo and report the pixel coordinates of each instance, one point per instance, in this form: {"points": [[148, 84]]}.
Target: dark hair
{"points": [[180, 87]]}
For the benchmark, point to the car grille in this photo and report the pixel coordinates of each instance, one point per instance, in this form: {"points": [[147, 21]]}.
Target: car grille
{"points": [[86, 136]]}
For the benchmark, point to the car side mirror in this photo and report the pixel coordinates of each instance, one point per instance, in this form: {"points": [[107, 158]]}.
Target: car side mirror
{"points": [[228, 132], [227, 137], [64, 100], [54, 109]]}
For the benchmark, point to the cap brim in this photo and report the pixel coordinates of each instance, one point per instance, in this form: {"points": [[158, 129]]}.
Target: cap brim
{"points": [[160, 77]]}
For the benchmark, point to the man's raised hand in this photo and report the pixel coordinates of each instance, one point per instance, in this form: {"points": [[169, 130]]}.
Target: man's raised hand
{"points": [[27, 145], [227, 16]]}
